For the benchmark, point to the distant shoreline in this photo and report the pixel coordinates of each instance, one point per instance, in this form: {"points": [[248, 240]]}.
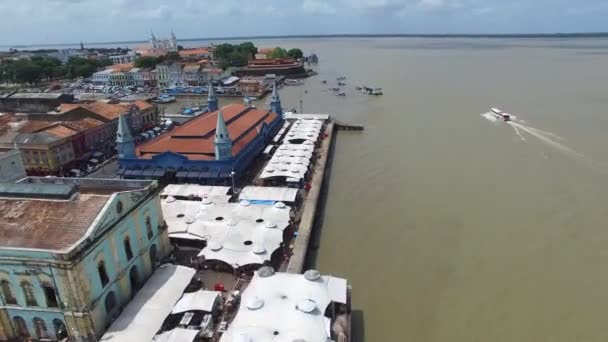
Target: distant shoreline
{"points": [[321, 36]]}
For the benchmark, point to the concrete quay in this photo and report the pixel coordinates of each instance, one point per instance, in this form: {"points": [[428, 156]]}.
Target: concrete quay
{"points": [[309, 209]]}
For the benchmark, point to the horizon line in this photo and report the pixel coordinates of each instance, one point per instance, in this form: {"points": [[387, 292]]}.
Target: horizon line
{"points": [[350, 35]]}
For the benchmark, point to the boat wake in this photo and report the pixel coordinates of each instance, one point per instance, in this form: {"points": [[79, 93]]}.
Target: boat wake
{"points": [[547, 138], [519, 126]]}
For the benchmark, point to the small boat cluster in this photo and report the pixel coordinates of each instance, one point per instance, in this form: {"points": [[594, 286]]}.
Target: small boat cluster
{"points": [[337, 90], [369, 90], [164, 98]]}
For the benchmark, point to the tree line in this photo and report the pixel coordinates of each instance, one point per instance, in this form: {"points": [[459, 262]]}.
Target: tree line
{"points": [[43, 68]]}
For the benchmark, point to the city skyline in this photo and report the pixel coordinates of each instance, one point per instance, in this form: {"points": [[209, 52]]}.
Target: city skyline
{"points": [[38, 22]]}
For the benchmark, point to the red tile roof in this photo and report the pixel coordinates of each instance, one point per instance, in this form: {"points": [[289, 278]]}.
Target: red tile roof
{"points": [[195, 138], [47, 224], [194, 52], [108, 111]]}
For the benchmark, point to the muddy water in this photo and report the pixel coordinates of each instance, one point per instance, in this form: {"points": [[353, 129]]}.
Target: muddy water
{"points": [[451, 227]]}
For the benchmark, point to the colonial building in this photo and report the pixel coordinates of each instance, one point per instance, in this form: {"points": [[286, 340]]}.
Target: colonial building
{"points": [[53, 143], [73, 253], [122, 59], [213, 147], [169, 74]]}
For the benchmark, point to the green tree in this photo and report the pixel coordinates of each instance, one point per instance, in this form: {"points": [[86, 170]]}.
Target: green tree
{"points": [[104, 62], [248, 48], [222, 51], [27, 72], [295, 53], [146, 62], [278, 52]]}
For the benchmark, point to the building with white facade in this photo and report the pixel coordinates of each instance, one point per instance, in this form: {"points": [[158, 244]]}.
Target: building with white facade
{"points": [[169, 74], [102, 77], [122, 59]]}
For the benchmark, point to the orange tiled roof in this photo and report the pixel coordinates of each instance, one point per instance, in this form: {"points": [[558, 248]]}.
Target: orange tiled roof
{"points": [[83, 124], [61, 131], [121, 67], [66, 107], [142, 105], [193, 52], [108, 111], [195, 138]]}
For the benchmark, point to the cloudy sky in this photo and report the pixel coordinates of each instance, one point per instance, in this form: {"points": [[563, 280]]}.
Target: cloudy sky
{"points": [[68, 21]]}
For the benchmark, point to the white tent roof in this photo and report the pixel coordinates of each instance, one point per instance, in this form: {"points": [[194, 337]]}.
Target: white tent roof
{"points": [[185, 190], [145, 314], [200, 300], [285, 169], [263, 193], [287, 304], [236, 233], [291, 116], [177, 335]]}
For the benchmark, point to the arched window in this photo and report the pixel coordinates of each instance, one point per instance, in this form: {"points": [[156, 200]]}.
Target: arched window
{"points": [[60, 330], [149, 227], [7, 292], [40, 327], [110, 302], [128, 250], [20, 327], [28, 293], [103, 275], [153, 258], [50, 295], [134, 279]]}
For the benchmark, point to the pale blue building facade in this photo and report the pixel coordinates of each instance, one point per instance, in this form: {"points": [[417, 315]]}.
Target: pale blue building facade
{"points": [[76, 251]]}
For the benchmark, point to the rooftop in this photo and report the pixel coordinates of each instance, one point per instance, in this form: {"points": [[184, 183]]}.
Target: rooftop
{"points": [[195, 138], [286, 307], [238, 234], [194, 52], [144, 315], [37, 95], [53, 213]]}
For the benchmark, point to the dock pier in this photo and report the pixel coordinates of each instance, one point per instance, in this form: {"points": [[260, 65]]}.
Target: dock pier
{"points": [[348, 127], [298, 257]]}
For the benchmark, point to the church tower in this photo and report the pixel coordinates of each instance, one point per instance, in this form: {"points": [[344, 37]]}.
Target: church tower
{"points": [[212, 103], [153, 40], [223, 143], [173, 41], [275, 101], [124, 141]]}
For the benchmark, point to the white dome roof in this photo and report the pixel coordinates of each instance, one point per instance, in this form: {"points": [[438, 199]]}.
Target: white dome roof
{"points": [[245, 203], [307, 305], [255, 303], [265, 271], [170, 199], [270, 224], [206, 201], [280, 205], [214, 246], [190, 220], [258, 249], [312, 275]]}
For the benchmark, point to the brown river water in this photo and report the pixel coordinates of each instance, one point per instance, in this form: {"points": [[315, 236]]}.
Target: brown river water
{"points": [[451, 227]]}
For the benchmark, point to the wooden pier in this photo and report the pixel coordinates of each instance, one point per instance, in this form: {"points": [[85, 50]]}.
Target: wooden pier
{"points": [[348, 127]]}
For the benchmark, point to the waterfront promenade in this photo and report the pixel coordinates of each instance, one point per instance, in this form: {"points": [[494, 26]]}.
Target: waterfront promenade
{"points": [[298, 258]]}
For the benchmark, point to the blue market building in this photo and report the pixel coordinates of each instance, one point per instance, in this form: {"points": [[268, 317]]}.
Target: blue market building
{"points": [[213, 148]]}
